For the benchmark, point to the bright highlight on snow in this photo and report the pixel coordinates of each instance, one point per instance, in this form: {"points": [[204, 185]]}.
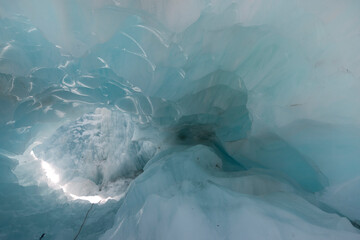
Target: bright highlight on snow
{"points": [[48, 169], [50, 172]]}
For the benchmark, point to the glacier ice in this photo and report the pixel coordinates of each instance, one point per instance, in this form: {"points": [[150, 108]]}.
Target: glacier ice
{"points": [[196, 200], [165, 119]]}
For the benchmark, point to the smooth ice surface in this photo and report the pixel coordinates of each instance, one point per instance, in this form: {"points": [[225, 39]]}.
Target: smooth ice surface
{"points": [[193, 119]]}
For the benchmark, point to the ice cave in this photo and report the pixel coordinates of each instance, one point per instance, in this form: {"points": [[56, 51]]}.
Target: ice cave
{"points": [[180, 119]]}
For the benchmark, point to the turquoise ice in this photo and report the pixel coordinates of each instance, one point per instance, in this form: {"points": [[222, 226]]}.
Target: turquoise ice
{"points": [[193, 119]]}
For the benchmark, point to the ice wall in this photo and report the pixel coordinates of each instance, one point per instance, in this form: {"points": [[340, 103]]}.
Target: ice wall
{"points": [[180, 119]]}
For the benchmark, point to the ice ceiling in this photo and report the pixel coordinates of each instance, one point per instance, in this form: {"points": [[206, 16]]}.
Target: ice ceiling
{"points": [[169, 119]]}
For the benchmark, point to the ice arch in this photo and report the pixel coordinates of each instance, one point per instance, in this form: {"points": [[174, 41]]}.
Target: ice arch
{"points": [[183, 120]]}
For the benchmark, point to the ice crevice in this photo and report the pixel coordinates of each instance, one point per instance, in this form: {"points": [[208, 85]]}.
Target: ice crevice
{"points": [[179, 119]]}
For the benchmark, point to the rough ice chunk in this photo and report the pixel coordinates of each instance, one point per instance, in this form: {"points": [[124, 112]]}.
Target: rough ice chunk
{"points": [[186, 192]]}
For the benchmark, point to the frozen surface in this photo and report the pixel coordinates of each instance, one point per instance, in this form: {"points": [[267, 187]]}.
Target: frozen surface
{"points": [[166, 119], [189, 194]]}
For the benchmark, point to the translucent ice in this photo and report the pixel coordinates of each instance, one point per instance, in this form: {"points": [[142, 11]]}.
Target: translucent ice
{"points": [[165, 119]]}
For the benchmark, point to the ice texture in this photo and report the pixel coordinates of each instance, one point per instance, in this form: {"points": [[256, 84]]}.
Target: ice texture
{"points": [[167, 119], [194, 199]]}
